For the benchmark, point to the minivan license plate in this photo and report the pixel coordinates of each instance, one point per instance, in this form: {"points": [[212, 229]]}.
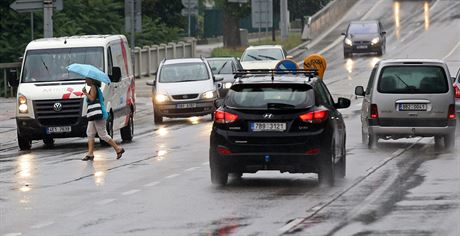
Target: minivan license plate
{"points": [[61, 129], [268, 126], [186, 105], [412, 107]]}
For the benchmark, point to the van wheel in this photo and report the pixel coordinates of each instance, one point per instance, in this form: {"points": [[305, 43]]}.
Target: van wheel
{"points": [[127, 133], [327, 167], [49, 142], [24, 143], [449, 141], [157, 118], [219, 175], [109, 127]]}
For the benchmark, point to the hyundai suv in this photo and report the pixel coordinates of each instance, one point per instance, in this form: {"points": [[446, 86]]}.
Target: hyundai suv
{"points": [[279, 122]]}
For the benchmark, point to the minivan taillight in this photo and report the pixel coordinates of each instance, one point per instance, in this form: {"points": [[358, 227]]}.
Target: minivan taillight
{"points": [[457, 91], [314, 116], [374, 111], [451, 113], [223, 117]]}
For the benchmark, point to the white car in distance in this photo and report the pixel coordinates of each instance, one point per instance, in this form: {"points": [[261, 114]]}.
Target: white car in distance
{"points": [[262, 57]]}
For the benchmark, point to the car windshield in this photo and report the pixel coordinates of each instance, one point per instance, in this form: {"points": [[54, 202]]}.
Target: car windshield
{"points": [[183, 72], [50, 64], [221, 66], [268, 54], [412, 79], [363, 28], [266, 96]]}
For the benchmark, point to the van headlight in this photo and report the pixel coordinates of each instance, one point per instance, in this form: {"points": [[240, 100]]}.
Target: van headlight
{"points": [[375, 40], [227, 85], [160, 98], [22, 102], [348, 42], [209, 94]]}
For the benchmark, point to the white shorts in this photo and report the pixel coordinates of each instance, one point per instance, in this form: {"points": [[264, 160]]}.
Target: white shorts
{"points": [[99, 127]]}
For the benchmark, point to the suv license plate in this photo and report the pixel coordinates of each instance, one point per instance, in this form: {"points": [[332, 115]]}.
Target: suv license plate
{"points": [[62, 129], [412, 107], [186, 105], [259, 126]]}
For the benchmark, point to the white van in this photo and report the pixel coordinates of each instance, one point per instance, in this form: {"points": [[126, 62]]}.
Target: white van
{"points": [[50, 103]]}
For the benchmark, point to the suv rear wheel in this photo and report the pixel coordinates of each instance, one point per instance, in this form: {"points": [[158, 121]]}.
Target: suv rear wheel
{"points": [[327, 166], [449, 141], [342, 164], [219, 175]]}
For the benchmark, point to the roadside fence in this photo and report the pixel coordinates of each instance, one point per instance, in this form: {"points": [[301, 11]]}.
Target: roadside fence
{"points": [[6, 69]]}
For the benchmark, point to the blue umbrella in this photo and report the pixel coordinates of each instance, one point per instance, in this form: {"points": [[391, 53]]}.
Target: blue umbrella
{"points": [[89, 71]]}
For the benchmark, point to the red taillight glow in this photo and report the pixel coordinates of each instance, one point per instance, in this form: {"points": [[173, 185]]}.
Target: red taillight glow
{"points": [[312, 151], [314, 116], [451, 113], [223, 117], [374, 111], [457, 91], [223, 151]]}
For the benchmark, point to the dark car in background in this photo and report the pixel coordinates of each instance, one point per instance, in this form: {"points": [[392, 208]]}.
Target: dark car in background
{"points": [[225, 67], [457, 94], [279, 122], [364, 37]]}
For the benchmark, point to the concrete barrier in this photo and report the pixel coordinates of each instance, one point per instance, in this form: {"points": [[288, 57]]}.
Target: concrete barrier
{"points": [[326, 18]]}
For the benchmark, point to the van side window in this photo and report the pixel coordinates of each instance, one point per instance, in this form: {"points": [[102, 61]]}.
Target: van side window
{"points": [[109, 60], [117, 58], [370, 83]]}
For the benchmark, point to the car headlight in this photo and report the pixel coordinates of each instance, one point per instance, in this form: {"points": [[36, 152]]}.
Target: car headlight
{"points": [[160, 98], [348, 42], [22, 101], [375, 40], [209, 94], [227, 85]]}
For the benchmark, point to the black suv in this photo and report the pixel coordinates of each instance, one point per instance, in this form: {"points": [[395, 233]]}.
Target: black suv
{"points": [[273, 121]]}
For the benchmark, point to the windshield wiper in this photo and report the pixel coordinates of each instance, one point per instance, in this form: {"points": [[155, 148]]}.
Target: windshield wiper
{"points": [[254, 57], [43, 62], [280, 106], [407, 86], [268, 57], [222, 67]]}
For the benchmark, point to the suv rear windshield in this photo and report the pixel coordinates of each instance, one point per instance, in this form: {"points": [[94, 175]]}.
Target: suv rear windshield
{"points": [[275, 96], [183, 72], [413, 80]]}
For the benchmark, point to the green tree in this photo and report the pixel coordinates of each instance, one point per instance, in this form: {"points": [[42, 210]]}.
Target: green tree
{"points": [[233, 12]]}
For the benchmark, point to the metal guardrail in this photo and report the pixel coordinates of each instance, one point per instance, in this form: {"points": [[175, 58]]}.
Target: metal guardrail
{"points": [[5, 68], [148, 58]]}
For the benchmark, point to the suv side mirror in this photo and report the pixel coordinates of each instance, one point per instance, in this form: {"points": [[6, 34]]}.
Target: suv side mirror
{"points": [[116, 74], [12, 77], [359, 90], [342, 103], [150, 83]]}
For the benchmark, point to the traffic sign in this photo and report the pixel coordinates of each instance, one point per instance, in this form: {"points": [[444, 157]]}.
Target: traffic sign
{"points": [[189, 11], [190, 3], [262, 13], [23, 6], [287, 65]]}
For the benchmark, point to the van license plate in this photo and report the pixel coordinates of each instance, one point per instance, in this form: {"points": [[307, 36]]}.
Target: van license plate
{"points": [[412, 107], [186, 105], [62, 129], [265, 126]]}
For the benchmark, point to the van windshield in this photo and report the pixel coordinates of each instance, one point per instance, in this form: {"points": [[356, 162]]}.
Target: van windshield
{"points": [[48, 65], [412, 80], [183, 72]]}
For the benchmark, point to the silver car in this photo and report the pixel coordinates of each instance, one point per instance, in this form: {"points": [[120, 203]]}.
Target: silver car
{"points": [[408, 98]]}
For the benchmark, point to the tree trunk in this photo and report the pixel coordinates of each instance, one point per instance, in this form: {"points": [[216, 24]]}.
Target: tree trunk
{"points": [[231, 31]]}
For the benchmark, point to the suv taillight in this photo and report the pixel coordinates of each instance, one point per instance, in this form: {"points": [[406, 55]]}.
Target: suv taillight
{"points": [[314, 116], [451, 113], [223, 117], [374, 111], [457, 91]]}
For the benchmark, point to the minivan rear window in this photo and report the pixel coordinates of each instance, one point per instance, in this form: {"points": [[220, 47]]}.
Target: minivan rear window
{"points": [[413, 79], [276, 96]]}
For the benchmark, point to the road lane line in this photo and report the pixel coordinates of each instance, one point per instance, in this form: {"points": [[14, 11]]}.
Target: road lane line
{"points": [[133, 191], [105, 201], [291, 225], [452, 51], [152, 184], [172, 176], [42, 225], [12, 234], [191, 169]]}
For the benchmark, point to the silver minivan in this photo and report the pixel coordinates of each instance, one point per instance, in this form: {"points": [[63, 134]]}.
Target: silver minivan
{"points": [[184, 88], [408, 98]]}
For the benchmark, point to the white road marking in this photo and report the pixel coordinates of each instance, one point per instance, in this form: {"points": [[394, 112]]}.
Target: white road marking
{"points": [[151, 184], [42, 225], [398, 152], [333, 44], [452, 51], [13, 234], [205, 163], [171, 176], [191, 169], [133, 191], [291, 224], [105, 201]]}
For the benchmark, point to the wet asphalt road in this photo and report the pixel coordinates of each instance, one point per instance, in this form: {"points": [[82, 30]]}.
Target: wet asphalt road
{"points": [[161, 186]]}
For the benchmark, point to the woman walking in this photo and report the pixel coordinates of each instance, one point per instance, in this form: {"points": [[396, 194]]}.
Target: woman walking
{"points": [[97, 120]]}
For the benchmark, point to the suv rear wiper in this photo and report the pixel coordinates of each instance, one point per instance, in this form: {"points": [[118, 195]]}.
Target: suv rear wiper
{"points": [[407, 86], [280, 106]]}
